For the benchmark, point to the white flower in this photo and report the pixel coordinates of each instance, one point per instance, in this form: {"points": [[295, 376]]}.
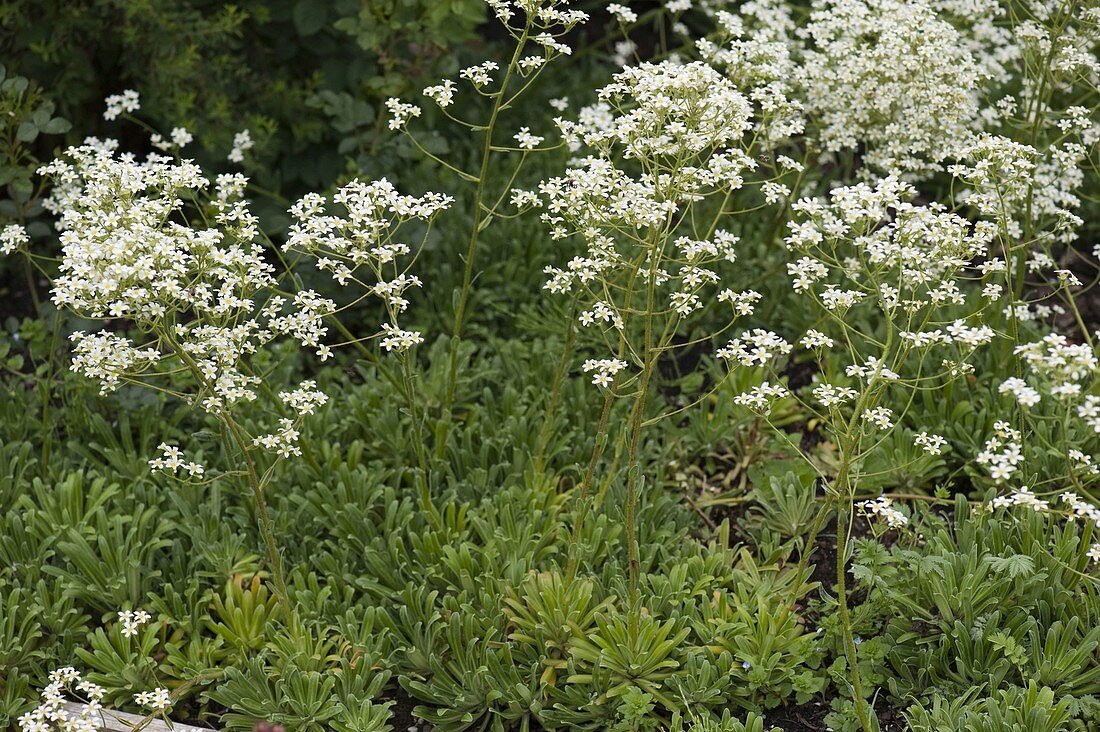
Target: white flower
{"points": [[883, 508], [1002, 453], [172, 461], [831, 396], [1021, 497], [400, 112], [881, 417], [526, 140], [760, 398], [1019, 388], [858, 79], [442, 94], [604, 370], [396, 339], [305, 399], [755, 348], [242, 141], [358, 245], [622, 13], [131, 620], [158, 699], [816, 339], [12, 237], [479, 75], [284, 442], [127, 101], [932, 444], [181, 137]]}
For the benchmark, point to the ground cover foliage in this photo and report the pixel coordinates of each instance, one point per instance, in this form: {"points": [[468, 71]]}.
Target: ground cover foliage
{"points": [[515, 366]]}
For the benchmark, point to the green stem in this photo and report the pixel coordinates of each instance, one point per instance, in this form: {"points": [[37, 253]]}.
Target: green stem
{"points": [[267, 526], [586, 485], [842, 521], [555, 391], [475, 232]]}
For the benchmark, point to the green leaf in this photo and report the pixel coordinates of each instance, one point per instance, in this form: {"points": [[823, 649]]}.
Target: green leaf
{"points": [[57, 126], [21, 189], [27, 132]]}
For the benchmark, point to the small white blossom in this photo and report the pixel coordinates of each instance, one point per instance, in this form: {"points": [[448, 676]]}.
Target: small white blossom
{"points": [[12, 237], [242, 142], [931, 444], [127, 101], [604, 370], [883, 508]]}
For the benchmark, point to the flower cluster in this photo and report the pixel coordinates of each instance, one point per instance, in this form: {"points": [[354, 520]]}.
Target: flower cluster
{"points": [[172, 461], [1003, 452], [1062, 365], [242, 142], [883, 508], [881, 417], [51, 713], [1072, 504], [604, 370], [54, 709], [931, 444], [665, 111], [132, 620], [755, 348], [662, 137], [12, 237], [108, 358], [283, 442], [760, 398], [859, 84], [537, 26], [358, 245], [159, 699], [305, 399], [205, 297], [128, 101]]}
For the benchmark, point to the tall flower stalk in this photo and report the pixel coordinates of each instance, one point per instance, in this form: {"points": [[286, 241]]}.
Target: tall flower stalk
{"points": [[666, 146], [536, 28]]}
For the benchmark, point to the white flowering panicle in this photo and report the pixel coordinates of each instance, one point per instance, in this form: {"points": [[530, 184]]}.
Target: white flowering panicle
{"points": [[537, 26], [1025, 188], [203, 297], [356, 243], [661, 137]]}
